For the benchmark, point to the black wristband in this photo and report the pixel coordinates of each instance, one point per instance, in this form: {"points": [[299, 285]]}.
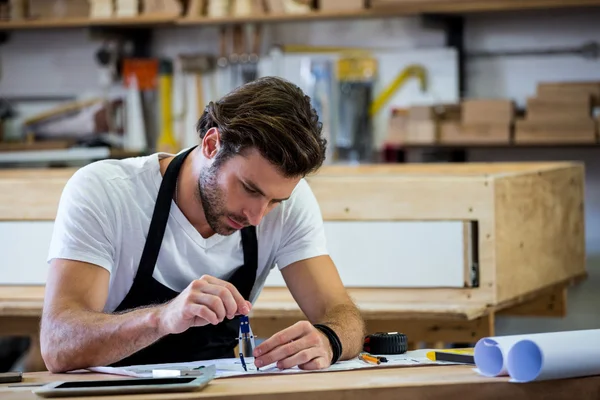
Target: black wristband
{"points": [[334, 340]]}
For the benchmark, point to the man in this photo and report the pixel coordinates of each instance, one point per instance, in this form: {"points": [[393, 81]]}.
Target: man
{"points": [[153, 259]]}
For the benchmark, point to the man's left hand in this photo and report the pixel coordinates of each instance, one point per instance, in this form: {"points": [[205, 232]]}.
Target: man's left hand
{"points": [[300, 345]]}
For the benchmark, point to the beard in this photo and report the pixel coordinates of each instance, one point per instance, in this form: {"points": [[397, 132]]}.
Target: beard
{"points": [[213, 200]]}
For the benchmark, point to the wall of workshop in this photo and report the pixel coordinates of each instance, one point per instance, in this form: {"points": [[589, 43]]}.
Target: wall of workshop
{"points": [[61, 62]]}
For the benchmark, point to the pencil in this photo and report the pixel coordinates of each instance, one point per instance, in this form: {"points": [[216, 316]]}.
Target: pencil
{"points": [[369, 359]]}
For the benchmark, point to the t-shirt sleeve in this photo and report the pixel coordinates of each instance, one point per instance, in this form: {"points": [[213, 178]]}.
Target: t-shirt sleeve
{"points": [[303, 234], [84, 224]]}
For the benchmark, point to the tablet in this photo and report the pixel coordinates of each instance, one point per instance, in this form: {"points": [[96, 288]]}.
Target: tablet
{"points": [[127, 386]]}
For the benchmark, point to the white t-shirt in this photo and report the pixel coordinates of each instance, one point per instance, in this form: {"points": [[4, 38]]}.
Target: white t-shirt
{"points": [[105, 211]]}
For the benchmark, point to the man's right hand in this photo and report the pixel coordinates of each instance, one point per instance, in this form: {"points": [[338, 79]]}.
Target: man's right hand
{"points": [[207, 300]]}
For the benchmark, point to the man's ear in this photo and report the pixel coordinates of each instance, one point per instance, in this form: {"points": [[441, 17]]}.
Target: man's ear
{"points": [[211, 143]]}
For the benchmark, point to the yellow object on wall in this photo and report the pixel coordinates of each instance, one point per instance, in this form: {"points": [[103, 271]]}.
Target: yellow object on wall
{"points": [[166, 139], [416, 71]]}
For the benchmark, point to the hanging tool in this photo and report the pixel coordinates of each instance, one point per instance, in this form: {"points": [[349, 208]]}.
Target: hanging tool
{"points": [[356, 74], [223, 62], [198, 65], [250, 69], [166, 140], [416, 71], [236, 56]]}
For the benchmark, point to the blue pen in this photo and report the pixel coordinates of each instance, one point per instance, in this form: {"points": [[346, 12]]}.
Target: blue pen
{"points": [[243, 362]]}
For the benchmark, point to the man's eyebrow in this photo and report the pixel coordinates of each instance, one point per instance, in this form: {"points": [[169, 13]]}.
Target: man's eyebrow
{"points": [[255, 188]]}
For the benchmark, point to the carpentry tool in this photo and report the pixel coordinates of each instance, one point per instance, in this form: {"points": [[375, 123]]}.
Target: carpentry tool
{"points": [[237, 56], [223, 62], [250, 68], [246, 337], [198, 65], [356, 74], [416, 71], [166, 140], [386, 343]]}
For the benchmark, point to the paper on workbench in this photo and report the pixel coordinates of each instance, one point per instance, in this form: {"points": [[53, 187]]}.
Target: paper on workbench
{"points": [[540, 356], [229, 367]]}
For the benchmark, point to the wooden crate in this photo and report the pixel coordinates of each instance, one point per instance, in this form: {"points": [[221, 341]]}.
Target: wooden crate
{"points": [[526, 225], [529, 218], [584, 131]]}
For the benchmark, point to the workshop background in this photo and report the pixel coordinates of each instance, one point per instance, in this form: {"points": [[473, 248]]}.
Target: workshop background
{"points": [[51, 78]]}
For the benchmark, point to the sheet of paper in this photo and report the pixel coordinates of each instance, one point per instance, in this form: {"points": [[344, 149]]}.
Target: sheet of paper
{"points": [[229, 367], [540, 356]]}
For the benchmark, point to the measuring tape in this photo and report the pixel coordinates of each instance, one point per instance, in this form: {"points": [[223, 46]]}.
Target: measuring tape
{"points": [[386, 343]]}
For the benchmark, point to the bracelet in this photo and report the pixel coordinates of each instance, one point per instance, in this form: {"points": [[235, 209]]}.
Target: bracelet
{"points": [[334, 340]]}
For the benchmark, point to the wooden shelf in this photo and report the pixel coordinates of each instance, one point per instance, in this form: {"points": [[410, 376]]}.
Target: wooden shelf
{"points": [[274, 18], [492, 145], [406, 9], [145, 20]]}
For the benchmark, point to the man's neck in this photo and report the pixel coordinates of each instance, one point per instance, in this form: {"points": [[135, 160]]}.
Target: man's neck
{"points": [[186, 198]]}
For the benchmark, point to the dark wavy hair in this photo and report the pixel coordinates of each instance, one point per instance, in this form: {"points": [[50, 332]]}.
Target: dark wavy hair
{"points": [[275, 117]]}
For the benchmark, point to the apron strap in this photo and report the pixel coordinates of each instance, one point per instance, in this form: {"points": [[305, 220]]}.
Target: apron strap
{"points": [[160, 216]]}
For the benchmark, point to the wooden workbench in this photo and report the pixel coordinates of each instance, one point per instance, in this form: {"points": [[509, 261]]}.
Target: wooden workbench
{"points": [[529, 244], [426, 382]]}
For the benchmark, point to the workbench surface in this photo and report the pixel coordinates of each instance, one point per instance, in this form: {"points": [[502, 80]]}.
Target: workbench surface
{"points": [[424, 382]]}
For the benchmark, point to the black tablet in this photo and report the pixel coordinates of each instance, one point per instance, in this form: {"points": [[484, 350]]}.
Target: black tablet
{"points": [[127, 386]]}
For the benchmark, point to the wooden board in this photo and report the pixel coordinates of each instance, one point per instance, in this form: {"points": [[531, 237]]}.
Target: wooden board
{"points": [[539, 230], [425, 382]]}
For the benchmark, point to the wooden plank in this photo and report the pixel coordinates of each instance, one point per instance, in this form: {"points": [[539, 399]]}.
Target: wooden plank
{"points": [[407, 8], [19, 326], [416, 330], [386, 303], [375, 303], [553, 304], [385, 383], [409, 198], [142, 21], [482, 169], [539, 230]]}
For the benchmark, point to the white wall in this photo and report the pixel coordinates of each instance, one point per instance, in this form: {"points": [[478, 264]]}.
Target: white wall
{"points": [[62, 63]]}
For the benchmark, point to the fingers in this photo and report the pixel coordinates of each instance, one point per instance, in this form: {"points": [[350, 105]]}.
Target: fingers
{"points": [[203, 312], [315, 364], [282, 338], [243, 307], [225, 297], [305, 357]]}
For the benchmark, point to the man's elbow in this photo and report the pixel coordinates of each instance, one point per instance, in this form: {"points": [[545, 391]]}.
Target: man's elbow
{"points": [[56, 357]]}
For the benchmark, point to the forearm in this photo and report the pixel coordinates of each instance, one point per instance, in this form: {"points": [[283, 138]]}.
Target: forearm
{"points": [[347, 322], [76, 338]]}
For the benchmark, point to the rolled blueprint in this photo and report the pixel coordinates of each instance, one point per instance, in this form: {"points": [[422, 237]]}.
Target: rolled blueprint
{"points": [[540, 356]]}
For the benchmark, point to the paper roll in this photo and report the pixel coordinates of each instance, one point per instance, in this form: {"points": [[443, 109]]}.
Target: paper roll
{"points": [[540, 356]]}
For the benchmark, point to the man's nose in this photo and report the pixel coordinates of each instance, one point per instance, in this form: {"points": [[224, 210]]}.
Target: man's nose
{"points": [[256, 211]]}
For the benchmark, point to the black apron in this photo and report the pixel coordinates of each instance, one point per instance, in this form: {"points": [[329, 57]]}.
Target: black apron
{"points": [[197, 343]]}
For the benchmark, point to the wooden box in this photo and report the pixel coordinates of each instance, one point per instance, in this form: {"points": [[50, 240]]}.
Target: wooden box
{"points": [[486, 111], [452, 132], [519, 226], [341, 5], [435, 243], [569, 108], [569, 90], [54, 9], [556, 132]]}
